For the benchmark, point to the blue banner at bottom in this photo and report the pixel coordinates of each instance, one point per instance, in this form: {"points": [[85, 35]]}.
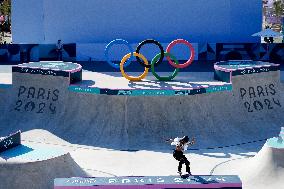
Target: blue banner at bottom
{"points": [[157, 182]]}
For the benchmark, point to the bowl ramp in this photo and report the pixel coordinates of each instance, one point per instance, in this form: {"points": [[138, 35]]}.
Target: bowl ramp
{"points": [[263, 171], [250, 111], [35, 167]]}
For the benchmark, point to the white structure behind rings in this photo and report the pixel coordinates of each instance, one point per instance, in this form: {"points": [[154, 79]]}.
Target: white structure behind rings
{"points": [[100, 21]]}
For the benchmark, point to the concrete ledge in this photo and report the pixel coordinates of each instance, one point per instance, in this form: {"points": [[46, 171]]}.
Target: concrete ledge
{"points": [[225, 70]]}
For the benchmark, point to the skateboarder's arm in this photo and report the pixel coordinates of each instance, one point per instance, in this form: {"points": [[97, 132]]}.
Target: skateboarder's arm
{"points": [[191, 142], [169, 140], [173, 140]]}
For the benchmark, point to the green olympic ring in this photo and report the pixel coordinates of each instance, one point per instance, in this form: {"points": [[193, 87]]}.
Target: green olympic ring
{"points": [[168, 78]]}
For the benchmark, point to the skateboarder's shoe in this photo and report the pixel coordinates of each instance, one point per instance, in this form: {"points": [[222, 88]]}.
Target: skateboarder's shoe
{"points": [[189, 173]]}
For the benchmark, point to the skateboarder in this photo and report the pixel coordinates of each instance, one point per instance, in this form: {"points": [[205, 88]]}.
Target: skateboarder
{"points": [[181, 146]]}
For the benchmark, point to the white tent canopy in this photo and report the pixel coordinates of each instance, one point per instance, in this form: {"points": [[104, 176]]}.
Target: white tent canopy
{"points": [[268, 33]]}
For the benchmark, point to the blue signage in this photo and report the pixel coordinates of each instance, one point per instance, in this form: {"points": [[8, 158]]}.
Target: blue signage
{"points": [[160, 182], [10, 141]]}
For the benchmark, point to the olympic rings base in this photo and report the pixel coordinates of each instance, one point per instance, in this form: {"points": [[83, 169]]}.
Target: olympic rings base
{"points": [[117, 85], [188, 83], [150, 92]]}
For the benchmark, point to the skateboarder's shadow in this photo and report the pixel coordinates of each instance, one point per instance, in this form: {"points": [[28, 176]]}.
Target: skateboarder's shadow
{"points": [[199, 179], [203, 181]]}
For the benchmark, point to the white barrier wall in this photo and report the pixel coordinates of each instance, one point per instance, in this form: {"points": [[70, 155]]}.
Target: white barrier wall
{"points": [[94, 51], [100, 21], [27, 21]]}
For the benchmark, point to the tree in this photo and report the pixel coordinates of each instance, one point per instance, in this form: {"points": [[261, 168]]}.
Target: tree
{"points": [[278, 6], [6, 7]]}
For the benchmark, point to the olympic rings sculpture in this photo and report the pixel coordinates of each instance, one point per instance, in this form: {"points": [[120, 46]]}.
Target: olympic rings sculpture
{"points": [[155, 61]]}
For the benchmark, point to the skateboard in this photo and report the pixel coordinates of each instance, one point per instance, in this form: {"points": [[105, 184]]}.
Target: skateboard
{"points": [[184, 176]]}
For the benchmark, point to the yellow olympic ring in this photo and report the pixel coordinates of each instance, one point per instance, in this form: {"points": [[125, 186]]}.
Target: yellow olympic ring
{"points": [[131, 78]]}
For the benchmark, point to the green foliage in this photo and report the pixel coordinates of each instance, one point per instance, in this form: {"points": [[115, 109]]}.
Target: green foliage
{"points": [[278, 8], [5, 7]]}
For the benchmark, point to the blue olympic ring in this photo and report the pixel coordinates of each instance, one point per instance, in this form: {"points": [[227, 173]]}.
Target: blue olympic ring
{"points": [[118, 41]]}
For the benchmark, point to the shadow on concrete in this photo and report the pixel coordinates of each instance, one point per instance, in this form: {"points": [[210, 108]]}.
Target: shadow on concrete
{"points": [[163, 85], [14, 152]]}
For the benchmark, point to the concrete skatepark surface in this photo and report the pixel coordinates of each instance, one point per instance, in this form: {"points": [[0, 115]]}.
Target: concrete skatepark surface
{"points": [[264, 170], [124, 135], [29, 169]]}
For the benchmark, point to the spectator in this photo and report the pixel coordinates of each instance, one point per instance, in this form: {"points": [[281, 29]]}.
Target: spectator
{"points": [[59, 49]]}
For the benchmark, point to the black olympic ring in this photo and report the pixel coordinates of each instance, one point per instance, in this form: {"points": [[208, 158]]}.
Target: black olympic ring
{"points": [[154, 42]]}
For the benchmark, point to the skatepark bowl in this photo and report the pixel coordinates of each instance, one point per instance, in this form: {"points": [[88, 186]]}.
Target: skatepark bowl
{"points": [[91, 125]]}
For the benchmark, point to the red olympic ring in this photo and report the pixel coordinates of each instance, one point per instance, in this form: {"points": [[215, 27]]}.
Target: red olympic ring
{"points": [[190, 60]]}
